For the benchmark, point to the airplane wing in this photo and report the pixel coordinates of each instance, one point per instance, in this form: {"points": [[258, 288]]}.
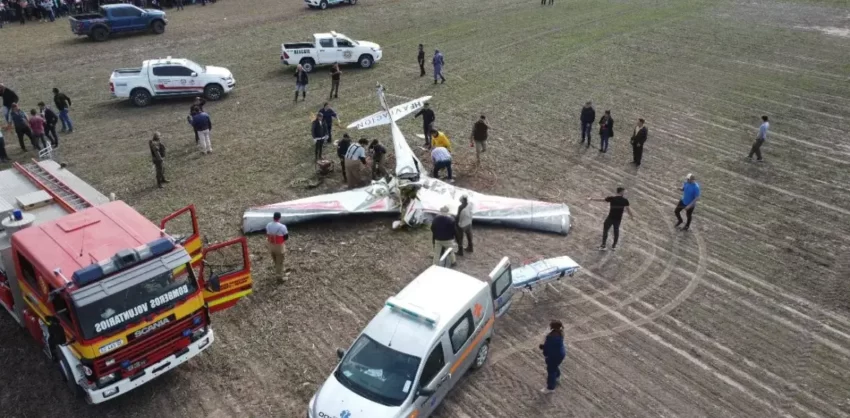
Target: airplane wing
{"points": [[375, 198]]}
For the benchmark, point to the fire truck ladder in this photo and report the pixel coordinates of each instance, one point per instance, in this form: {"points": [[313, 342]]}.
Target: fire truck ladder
{"points": [[61, 192]]}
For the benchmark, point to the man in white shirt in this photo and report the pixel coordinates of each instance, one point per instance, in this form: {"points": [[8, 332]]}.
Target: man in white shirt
{"points": [[355, 164], [441, 158], [760, 138], [464, 225], [277, 235]]}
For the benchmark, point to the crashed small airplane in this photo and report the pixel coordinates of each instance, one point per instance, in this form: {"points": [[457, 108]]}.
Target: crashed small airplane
{"points": [[411, 192]]}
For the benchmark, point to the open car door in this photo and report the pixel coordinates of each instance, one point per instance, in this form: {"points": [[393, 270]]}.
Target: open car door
{"points": [[226, 274], [501, 286], [183, 227]]}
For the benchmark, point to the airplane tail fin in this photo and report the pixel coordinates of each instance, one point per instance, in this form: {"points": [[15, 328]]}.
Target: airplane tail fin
{"points": [[383, 117]]}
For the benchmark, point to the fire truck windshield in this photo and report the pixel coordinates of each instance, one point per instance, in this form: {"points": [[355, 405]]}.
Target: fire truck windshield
{"points": [[119, 309]]}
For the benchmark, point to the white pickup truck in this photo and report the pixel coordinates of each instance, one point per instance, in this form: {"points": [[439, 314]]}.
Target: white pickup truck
{"points": [[330, 48], [170, 77]]}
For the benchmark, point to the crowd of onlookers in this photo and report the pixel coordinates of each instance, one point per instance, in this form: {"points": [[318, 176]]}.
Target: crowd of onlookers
{"points": [[24, 11]]}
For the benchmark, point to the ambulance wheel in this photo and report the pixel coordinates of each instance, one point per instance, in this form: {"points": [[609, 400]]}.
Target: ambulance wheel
{"points": [[323, 4], [68, 377], [481, 356]]}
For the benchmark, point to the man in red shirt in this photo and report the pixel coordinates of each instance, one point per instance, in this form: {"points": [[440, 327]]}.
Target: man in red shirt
{"points": [[37, 126]]}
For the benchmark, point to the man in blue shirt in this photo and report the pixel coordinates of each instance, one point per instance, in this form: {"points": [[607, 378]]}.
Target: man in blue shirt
{"points": [[690, 195], [328, 116], [760, 138]]}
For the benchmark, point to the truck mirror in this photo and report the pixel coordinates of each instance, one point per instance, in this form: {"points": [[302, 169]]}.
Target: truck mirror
{"points": [[425, 392], [194, 74], [214, 283], [340, 353]]}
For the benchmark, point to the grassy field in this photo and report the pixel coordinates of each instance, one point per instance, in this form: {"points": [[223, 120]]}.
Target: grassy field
{"points": [[746, 315]]}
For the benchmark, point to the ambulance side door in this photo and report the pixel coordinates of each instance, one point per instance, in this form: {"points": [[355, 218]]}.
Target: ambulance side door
{"points": [[183, 227], [501, 286], [226, 274], [435, 380]]}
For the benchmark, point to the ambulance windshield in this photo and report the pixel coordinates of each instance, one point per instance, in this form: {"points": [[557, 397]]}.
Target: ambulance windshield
{"points": [[377, 372], [143, 299]]}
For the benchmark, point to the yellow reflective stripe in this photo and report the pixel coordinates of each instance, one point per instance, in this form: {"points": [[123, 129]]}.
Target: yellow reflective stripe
{"points": [[228, 298]]}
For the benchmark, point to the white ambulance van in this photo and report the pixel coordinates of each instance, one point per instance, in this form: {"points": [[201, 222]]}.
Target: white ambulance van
{"points": [[418, 346]]}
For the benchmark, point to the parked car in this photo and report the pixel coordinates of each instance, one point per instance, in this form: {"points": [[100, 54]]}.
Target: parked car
{"points": [[323, 4], [330, 48], [113, 19], [170, 77]]}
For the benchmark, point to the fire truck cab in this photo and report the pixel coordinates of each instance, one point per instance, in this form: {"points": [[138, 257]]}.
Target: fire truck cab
{"points": [[112, 298]]}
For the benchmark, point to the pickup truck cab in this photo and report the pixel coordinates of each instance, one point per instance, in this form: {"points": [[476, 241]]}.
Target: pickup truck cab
{"points": [[323, 4], [330, 48], [170, 77], [118, 18], [418, 347]]}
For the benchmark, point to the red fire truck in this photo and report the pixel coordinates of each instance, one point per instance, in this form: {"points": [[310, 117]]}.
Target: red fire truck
{"points": [[112, 298]]}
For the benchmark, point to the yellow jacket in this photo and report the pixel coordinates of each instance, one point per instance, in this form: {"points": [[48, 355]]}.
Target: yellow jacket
{"points": [[441, 141]]}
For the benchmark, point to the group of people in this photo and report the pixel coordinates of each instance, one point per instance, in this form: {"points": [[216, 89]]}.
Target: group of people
{"points": [[38, 10], [449, 229], [38, 125], [437, 61]]}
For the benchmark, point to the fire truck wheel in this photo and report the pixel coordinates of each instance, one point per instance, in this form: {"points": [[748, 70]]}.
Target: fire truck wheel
{"points": [[68, 377]]}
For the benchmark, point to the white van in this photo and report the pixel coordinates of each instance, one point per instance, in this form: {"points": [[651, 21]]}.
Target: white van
{"points": [[417, 347]]}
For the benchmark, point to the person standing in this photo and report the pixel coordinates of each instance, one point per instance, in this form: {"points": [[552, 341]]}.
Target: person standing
{"points": [[178, 4], [441, 158], [760, 138], [50, 121], [158, 158], [378, 152], [438, 61], [606, 131], [276, 235], [554, 352], [341, 149], [4, 158], [203, 124], [464, 225], [618, 204], [439, 139], [63, 105], [9, 98], [478, 139], [356, 164], [443, 234], [428, 118], [638, 140], [37, 126], [588, 115], [328, 116], [47, 10], [335, 74], [319, 135], [420, 57], [301, 81], [22, 125], [690, 196], [199, 104]]}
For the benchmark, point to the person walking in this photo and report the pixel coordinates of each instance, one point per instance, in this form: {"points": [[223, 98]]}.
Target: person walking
{"points": [[378, 152], [22, 125], [554, 352], [760, 138], [301, 81], [335, 74], [37, 126], [203, 124], [690, 196], [588, 115], [428, 118], [320, 133], [606, 131], [438, 61], [464, 225], [618, 204], [9, 98], [478, 138], [199, 104], [158, 158], [439, 139], [276, 235], [50, 121], [443, 235], [420, 57], [441, 158], [341, 149], [63, 105], [356, 164], [328, 116], [638, 140]]}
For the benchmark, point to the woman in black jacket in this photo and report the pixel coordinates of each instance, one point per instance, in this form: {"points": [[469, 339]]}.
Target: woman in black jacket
{"points": [[554, 351], [319, 134]]}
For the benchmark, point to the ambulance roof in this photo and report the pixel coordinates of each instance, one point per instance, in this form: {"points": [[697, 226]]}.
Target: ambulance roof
{"points": [[77, 240], [440, 292]]}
